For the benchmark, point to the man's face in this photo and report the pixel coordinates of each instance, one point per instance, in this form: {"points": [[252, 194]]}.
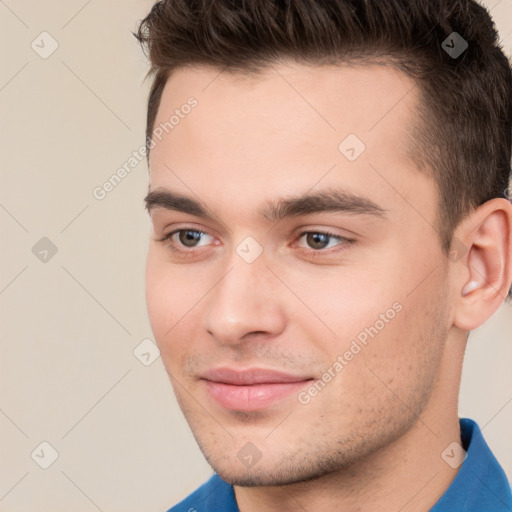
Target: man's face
{"points": [[300, 335]]}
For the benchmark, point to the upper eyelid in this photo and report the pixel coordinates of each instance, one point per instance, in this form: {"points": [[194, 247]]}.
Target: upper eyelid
{"points": [[175, 231], [185, 228], [301, 232], [341, 239], [213, 231]]}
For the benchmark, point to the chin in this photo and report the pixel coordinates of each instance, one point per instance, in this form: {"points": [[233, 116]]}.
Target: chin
{"points": [[269, 474]]}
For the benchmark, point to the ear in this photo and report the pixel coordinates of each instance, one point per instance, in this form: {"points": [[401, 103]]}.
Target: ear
{"points": [[482, 249]]}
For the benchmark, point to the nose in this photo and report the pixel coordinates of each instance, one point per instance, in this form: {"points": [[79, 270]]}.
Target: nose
{"points": [[245, 303]]}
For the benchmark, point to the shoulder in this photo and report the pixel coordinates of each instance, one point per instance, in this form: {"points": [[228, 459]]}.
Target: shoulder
{"points": [[215, 495]]}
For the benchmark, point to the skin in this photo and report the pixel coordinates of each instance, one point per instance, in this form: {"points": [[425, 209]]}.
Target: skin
{"points": [[372, 438]]}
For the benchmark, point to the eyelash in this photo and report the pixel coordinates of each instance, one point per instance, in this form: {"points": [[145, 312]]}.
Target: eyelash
{"points": [[344, 243]]}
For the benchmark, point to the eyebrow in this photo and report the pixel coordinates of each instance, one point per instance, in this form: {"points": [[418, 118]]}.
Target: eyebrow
{"points": [[329, 200]]}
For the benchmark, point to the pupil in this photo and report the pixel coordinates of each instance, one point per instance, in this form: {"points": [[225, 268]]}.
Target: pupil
{"points": [[318, 240]]}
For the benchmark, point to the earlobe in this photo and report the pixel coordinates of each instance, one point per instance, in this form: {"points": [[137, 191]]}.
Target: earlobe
{"points": [[485, 272]]}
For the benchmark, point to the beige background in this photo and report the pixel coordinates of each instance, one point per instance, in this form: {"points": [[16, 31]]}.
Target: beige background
{"points": [[69, 326]]}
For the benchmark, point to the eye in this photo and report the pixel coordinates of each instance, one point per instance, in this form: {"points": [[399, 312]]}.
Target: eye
{"points": [[185, 240], [319, 240], [189, 237]]}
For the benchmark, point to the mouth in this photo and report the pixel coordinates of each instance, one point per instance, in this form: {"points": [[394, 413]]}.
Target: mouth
{"points": [[251, 389]]}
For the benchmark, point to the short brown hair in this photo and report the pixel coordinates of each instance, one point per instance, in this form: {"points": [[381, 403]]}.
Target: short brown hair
{"points": [[465, 113]]}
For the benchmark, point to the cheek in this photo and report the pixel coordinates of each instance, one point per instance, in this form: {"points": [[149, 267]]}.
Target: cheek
{"points": [[165, 311], [349, 304], [173, 299], [384, 330], [402, 361], [164, 300], [157, 301]]}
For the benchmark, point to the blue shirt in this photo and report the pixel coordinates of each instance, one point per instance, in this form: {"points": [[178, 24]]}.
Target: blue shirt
{"points": [[480, 484]]}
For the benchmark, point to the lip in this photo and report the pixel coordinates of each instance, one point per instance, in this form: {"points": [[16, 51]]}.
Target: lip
{"points": [[251, 389]]}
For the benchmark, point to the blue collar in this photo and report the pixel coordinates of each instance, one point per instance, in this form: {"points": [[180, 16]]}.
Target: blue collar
{"points": [[480, 484]]}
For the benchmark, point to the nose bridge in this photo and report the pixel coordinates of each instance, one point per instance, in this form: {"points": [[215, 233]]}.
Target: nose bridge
{"points": [[241, 302]]}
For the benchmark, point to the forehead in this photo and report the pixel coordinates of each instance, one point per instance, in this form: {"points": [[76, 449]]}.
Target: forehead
{"points": [[285, 128], [362, 94]]}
